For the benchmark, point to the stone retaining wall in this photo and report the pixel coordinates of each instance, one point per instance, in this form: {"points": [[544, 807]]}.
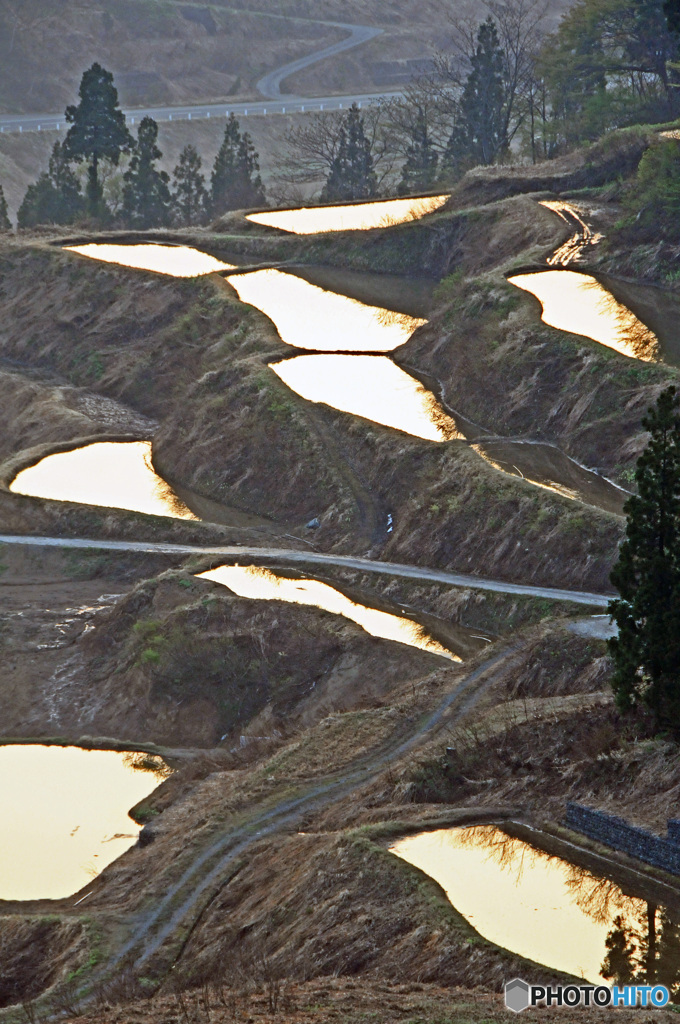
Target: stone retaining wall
{"points": [[616, 833]]}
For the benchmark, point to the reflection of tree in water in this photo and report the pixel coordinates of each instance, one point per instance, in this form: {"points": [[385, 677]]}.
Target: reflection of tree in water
{"points": [[643, 944], [644, 950], [635, 336], [389, 318], [141, 762]]}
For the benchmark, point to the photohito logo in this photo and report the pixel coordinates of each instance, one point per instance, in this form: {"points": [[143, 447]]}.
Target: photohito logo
{"points": [[519, 995]]}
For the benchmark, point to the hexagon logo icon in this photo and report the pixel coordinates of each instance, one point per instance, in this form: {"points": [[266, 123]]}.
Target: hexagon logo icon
{"points": [[516, 995]]}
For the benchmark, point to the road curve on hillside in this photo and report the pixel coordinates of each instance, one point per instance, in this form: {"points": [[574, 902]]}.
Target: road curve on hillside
{"points": [[270, 84], [236, 553]]}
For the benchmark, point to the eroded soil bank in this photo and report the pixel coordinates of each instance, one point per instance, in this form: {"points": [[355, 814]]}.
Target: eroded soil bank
{"points": [[267, 859]]}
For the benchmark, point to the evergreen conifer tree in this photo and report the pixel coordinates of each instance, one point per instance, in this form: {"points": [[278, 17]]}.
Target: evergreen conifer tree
{"points": [[479, 132], [646, 652], [97, 131], [189, 195], [5, 222], [146, 196], [420, 169], [351, 175], [235, 179], [55, 198]]}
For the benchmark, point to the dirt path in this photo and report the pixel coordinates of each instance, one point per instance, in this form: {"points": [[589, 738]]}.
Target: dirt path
{"points": [[185, 896], [236, 554]]}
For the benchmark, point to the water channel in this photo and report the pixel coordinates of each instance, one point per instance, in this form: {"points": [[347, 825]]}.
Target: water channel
{"points": [[544, 908], [313, 220], [64, 814]]}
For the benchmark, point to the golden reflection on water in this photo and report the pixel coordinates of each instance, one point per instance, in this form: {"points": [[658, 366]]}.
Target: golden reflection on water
{"points": [[260, 584], [64, 815], [538, 906], [314, 219], [310, 317], [370, 386], [584, 236], [114, 474], [579, 304], [175, 260]]}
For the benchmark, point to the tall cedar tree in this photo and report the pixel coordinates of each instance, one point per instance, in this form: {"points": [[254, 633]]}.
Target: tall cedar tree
{"points": [[55, 198], [189, 195], [235, 180], [479, 133], [420, 169], [646, 652], [146, 196], [5, 222], [351, 175], [97, 131]]}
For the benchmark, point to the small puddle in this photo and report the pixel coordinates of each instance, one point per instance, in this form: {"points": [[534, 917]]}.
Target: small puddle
{"points": [[65, 815], [578, 303], [261, 584], [113, 474], [310, 317], [372, 387], [360, 217], [174, 260], [536, 905]]}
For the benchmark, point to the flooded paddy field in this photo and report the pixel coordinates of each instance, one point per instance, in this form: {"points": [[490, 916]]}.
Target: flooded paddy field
{"points": [[65, 815], [546, 909], [351, 217]]}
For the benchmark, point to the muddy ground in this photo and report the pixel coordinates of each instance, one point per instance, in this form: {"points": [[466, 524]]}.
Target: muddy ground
{"points": [[268, 859]]}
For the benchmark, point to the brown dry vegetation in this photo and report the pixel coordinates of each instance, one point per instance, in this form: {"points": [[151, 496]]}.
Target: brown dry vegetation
{"points": [[329, 901], [182, 662], [189, 355], [267, 865], [350, 1000], [160, 53]]}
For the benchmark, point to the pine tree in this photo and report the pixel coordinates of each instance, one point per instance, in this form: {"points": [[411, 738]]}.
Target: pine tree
{"points": [[5, 222], [97, 131], [189, 195], [55, 198], [351, 175], [146, 196], [235, 180], [479, 134], [420, 169], [646, 652]]}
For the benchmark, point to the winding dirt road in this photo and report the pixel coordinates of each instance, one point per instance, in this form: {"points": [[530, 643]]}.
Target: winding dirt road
{"points": [[185, 898]]}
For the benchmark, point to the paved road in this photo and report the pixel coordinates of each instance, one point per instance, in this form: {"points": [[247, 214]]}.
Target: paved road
{"points": [[238, 553], [259, 108], [270, 85]]}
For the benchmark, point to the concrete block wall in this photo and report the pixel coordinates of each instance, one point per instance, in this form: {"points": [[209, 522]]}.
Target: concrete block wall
{"points": [[616, 833]]}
